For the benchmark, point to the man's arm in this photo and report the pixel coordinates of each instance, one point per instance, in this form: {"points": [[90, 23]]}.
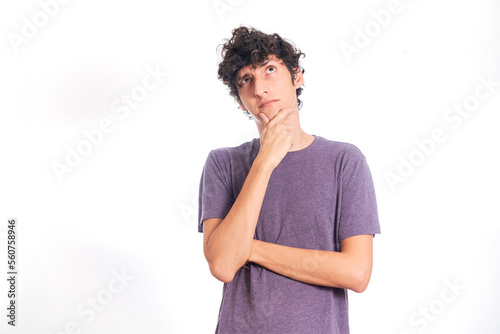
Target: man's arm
{"points": [[348, 269], [227, 242]]}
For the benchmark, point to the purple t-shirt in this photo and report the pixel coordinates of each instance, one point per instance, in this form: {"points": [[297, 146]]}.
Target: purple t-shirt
{"points": [[315, 198]]}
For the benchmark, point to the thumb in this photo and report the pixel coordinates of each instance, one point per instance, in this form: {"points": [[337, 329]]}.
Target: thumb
{"points": [[264, 118]]}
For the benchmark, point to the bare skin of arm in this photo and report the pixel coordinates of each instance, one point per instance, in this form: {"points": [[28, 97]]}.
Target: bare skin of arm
{"points": [[227, 243], [349, 269]]}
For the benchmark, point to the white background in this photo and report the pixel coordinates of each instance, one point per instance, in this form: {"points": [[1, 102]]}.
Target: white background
{"points": [[130, 205]]}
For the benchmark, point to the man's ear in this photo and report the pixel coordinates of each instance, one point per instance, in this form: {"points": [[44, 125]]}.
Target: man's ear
{"points": [[298, 78]]}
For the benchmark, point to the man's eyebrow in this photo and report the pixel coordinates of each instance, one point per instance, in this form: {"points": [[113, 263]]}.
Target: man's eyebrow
{"points": [[239, 78], [264, 63]]}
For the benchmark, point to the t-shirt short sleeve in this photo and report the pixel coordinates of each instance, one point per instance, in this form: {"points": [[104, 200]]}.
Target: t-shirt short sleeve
{"points": [[358, 207], [215, 195]]}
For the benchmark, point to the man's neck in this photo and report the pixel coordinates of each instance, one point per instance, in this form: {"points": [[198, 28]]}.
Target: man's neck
{"points": [[301, 140]]}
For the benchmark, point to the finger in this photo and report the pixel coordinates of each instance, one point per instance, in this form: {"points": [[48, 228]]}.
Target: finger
{"points": [[283, 113], [264, 118], [280, 115]]}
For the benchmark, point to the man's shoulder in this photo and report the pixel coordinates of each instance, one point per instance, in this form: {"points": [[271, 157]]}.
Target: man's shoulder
{"points": [[340, 148], [240, 151]]}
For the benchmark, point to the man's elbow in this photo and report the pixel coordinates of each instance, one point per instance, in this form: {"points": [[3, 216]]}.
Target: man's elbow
{"points": [[223, 268], [360, 280], [221, 273]]}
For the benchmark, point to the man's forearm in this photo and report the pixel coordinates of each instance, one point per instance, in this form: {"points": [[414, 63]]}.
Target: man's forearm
{"points": [[347, 270], [230, 244]]}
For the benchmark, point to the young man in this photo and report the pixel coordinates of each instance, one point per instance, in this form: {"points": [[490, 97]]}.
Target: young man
{"points": [[288, 219]]}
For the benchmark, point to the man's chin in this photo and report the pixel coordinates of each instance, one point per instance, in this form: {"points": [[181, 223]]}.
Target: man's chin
{"points": [[270, 113]]}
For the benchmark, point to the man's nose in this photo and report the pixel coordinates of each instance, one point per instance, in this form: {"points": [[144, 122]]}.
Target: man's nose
{"points": [[260, 86]]}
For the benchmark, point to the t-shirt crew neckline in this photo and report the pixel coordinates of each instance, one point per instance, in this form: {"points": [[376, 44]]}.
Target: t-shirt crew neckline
{"points": [[305, 149]]}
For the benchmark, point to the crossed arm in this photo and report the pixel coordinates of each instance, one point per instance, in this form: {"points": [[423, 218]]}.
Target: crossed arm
{"points": [[349, 269]]}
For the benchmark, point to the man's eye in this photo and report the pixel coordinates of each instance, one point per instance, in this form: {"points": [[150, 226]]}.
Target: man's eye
{"points": [[271, 69], [244, 81]]}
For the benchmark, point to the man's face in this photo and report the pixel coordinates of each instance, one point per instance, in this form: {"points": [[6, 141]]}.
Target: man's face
{"points": [[267, 88]]}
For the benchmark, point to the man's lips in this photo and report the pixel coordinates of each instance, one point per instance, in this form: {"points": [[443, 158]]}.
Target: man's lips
{"points": [[266, 103]]}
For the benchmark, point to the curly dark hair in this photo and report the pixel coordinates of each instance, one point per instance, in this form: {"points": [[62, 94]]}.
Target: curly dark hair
{"points": [[249, 46]]}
